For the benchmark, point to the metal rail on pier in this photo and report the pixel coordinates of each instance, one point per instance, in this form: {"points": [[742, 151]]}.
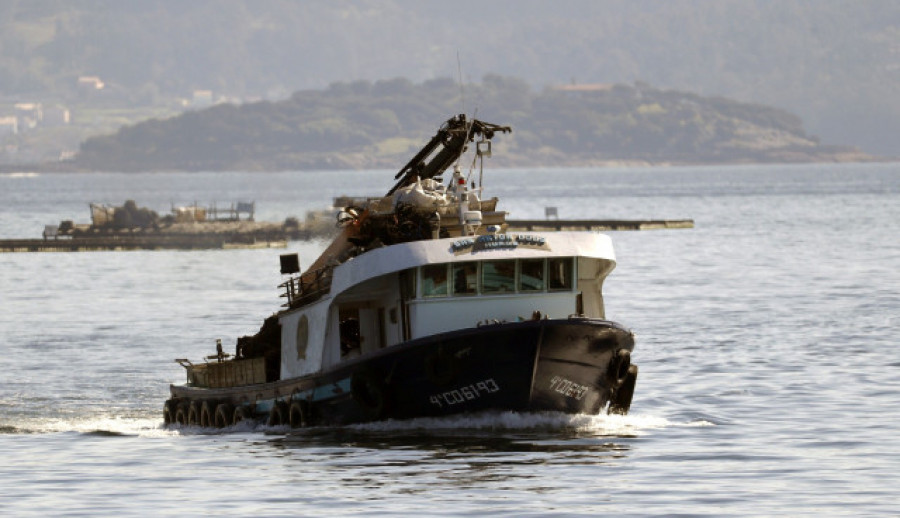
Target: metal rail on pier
{"points": [[533, 225], [138, 242]]}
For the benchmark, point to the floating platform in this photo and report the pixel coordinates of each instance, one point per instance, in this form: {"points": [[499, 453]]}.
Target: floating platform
{"points": [[279, 238], [533, 225], [148, 242]]}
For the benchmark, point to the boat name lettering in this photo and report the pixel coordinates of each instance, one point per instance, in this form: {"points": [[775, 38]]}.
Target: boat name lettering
{"points": [[494, 242], [568, 388], [466, 393], [462, 244], [526, 240], [497, 242]]}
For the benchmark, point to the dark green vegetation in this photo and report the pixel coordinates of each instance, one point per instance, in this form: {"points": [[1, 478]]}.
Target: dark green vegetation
{"points": [[834, 63], [367, 125]]}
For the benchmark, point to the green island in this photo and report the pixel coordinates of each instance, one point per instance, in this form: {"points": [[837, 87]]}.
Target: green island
{"points": [[365, 124]]}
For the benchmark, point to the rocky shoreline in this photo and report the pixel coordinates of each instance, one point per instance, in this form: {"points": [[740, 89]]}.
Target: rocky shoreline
{"points": [[358, 161]]}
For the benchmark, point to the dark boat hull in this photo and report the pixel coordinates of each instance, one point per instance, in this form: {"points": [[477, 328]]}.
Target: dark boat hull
{"points": [[575, 365]]}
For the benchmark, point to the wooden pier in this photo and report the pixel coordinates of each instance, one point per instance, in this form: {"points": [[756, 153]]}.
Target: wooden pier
{"points": [[534, 225]]}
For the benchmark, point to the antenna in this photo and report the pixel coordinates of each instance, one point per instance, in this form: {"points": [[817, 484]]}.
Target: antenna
{"points": [[462, 92]]}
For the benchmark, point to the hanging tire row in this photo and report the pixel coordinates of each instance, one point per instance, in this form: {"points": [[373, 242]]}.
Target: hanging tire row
{"points": [[209, 414]]}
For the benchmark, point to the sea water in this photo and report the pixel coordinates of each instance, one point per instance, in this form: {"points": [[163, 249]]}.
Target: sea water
{"points": [[767, 338]]}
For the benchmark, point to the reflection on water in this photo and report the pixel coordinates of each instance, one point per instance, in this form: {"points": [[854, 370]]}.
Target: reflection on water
{"points": [[411, 458], [447, 443]]}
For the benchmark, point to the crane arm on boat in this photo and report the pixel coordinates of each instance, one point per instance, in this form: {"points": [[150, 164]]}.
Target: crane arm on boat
{"points": [[451, 138]]}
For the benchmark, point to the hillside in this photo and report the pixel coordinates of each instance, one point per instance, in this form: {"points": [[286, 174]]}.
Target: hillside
{"points": [[835, 64], [372, 125]]}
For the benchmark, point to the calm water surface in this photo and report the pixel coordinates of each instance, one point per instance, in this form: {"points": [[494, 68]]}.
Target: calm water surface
{"points": [[767, 340]]}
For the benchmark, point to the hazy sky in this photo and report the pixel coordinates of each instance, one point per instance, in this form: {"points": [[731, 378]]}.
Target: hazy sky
{"points": [[834, 63]]}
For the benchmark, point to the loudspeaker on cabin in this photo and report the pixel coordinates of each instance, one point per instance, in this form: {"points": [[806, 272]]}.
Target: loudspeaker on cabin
{"points": [[290, 263]]}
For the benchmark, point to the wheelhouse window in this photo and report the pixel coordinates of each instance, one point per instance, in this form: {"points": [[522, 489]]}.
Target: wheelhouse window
{"points": [[434, 280], [498, 276], [531, 275], [559, 274], [465, 278]]}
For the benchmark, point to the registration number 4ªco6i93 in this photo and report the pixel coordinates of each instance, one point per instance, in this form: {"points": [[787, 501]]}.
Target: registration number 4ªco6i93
{"points": [[465, 393]]}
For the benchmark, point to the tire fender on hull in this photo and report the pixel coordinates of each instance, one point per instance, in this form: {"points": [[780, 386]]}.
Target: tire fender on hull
{"points": [[298, 414], [621, 398], [241, 413], [169, 410], [181, 414], [618, 369], [278, 416], [207, 414], [224, 415], [193, 414]]}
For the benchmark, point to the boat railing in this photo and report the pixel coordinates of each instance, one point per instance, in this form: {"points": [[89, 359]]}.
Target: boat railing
{"points": [[307, 287]]}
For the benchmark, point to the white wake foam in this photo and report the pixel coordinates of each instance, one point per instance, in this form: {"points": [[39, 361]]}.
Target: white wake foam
{"points": [[601, 425], [613, 425]]}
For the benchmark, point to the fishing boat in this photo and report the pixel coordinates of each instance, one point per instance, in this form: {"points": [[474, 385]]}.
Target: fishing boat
{"points": [[426, 305]]}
